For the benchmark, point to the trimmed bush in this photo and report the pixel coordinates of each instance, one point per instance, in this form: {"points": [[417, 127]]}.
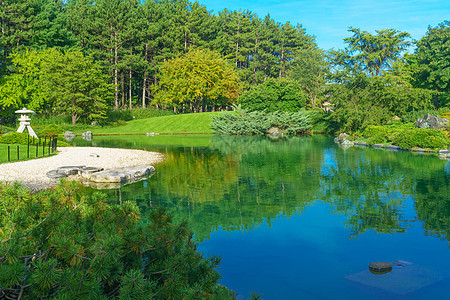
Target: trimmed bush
{"points": [[421, 138], [405, 136], [242, 122], [274, 95]]}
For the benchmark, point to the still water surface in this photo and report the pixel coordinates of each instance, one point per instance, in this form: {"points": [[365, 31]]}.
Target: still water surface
{"points": [[301, 218]]}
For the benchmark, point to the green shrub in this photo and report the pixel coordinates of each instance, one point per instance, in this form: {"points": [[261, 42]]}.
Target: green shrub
{"points": [[5, 129], [242, 122], [274, 95], [51, 129], [67, 243], [15, 138], [24, 138], [405, 136], [48, 119], [422, 138]]}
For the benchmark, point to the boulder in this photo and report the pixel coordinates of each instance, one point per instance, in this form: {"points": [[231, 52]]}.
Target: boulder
{"points": [[341, 138], [87, 135], [69, 136], [432, 122], [380, 267], [347, 143], [274, 132], [122, 175]]}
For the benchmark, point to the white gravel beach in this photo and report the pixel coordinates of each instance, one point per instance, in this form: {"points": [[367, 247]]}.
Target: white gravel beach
{"points": [[32, 173]]}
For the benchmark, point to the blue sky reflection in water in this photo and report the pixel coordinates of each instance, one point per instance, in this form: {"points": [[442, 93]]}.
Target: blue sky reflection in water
{"points": [[294, 219]]}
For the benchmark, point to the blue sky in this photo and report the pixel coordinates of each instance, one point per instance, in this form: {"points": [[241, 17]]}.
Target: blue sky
{"points": [[329, 20]]}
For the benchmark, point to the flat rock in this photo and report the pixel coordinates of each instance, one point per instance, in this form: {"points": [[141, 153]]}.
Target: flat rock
{"points": [[394, 148], [122, 175], [55, 174], [86, 172], [69, 170], [377, 145]]}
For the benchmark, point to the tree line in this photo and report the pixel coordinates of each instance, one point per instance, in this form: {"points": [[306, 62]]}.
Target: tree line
{"points": [[178, 55], [132, 39]]}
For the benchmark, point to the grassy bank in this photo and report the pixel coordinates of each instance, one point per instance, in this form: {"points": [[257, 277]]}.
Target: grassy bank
{"points": [[187, 123]]}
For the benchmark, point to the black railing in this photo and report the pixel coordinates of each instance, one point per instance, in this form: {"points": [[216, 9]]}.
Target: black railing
{"points": [[48, 146]]}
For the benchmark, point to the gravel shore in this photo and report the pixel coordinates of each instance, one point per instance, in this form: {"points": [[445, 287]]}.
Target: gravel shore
{"points": [[32, 173]]}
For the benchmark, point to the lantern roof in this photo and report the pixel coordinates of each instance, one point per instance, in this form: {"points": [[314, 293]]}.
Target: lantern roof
{"points": [[24, 111]]}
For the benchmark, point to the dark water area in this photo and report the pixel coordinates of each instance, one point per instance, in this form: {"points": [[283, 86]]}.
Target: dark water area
{"points": [[302, 218]]}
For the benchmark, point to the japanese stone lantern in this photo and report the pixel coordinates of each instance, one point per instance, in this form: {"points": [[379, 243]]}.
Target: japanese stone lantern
{"points": [[25, 121]]}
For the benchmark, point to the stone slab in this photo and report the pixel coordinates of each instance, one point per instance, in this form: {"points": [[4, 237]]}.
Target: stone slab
{"points": [[122, 175], [404, 278]]}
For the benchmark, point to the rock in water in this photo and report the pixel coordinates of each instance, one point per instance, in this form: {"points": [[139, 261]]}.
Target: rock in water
{"points": [[432, 122], [380, 267], [87, 135], [341, 138], [69, 136], [274, 132]]}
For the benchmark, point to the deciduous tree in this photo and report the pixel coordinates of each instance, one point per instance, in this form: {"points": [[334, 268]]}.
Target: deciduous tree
{"points": [[201, 78]]}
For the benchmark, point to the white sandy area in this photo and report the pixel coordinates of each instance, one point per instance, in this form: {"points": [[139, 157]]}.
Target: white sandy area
{"points": [[32, 173]]}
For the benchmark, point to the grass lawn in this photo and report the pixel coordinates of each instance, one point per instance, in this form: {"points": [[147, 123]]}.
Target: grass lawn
{"points": [[187, 123], [23, 152]]}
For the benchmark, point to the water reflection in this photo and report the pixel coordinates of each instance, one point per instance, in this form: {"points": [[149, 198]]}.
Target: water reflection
{"points": [[238, 183]]}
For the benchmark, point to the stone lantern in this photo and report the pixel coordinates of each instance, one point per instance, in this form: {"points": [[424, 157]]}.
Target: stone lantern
{"points": [[25, 121]]}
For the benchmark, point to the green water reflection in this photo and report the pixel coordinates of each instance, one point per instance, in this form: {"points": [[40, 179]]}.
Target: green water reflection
{"points": [[236, 183]]}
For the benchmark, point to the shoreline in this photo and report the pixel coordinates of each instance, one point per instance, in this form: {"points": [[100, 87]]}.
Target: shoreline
{"points": [[32, 173]]}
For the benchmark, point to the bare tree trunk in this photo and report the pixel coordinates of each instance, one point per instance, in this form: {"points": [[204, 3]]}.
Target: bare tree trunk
{"points": [[129, 90], [144, 84], [116, 74], [122, 88]]}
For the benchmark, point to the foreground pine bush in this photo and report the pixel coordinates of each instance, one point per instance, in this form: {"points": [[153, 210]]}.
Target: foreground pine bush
{"points": [[67, 244]]}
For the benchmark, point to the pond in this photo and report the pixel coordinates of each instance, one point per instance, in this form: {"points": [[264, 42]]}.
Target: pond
{"points": [[302, 218]]}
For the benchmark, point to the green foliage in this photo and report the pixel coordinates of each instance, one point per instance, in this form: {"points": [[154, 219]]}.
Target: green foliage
{"points": [[370, 53], [24, 138], [48, 119], [310, 69], [16, 138], [76, 85], [274, 95], [5, 129], [422, 138], [67, 243], [360, 101], [200, 78], [432, 59], [406, 137], [51, 130], [412, 116], [61, 82], [243, 122]]}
